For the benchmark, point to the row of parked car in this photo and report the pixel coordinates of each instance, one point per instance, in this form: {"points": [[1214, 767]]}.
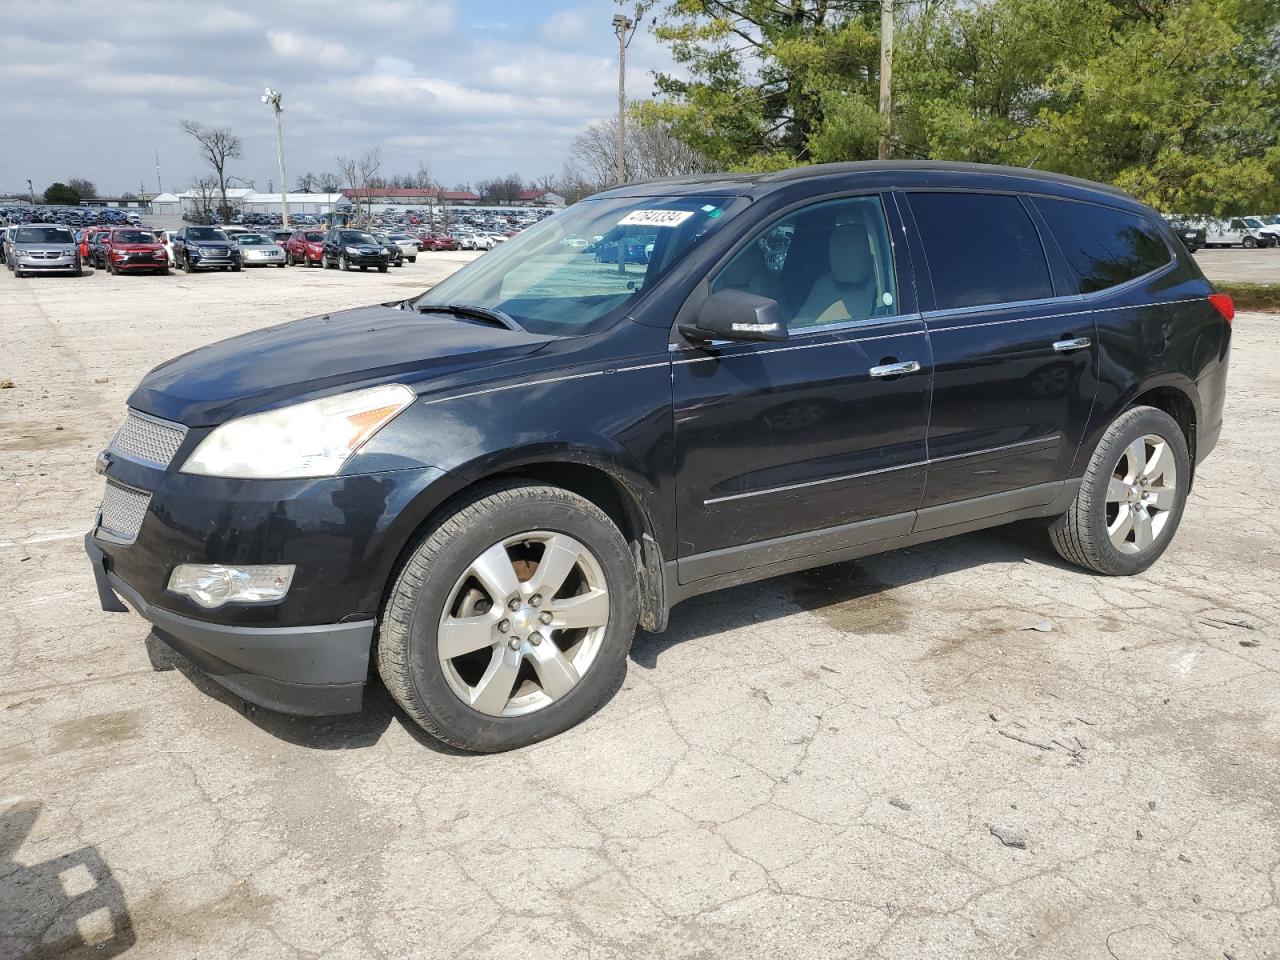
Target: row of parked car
{"points": [[54, 248], [69, 216], [1248, 232]]}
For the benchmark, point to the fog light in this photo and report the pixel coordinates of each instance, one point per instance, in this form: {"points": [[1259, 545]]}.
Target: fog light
{"points": [[211, 584]]}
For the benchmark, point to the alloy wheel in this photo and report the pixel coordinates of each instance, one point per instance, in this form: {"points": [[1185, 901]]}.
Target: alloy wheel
{"points": [[523, 624], [1141, 494]]}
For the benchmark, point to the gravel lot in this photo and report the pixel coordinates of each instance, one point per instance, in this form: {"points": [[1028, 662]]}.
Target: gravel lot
{"points": [[966, 749], [1237, 265]]}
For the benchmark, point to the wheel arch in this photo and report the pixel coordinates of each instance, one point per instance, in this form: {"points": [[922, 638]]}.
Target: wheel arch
{"points": [[623, 499]]}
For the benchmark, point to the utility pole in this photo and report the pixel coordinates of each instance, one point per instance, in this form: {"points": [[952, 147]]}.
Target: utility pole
{"points": [[624, 28], [886, 76], [273, 97], [159, 189]]}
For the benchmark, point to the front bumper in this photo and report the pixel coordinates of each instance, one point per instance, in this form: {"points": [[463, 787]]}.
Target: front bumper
{"points": [[312, 670], [140, 261], [61, 265]]}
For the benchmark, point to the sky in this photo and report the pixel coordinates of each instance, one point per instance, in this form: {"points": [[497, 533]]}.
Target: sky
{"points": [[472, 88]]}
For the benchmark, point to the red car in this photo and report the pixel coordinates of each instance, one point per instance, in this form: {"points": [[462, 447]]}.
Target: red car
{"points": [[305, 247], [87, 236], [438, 242], [126, 249]]}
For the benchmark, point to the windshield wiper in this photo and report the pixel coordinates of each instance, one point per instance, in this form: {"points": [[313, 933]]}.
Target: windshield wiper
{"points": [[473, 312]]}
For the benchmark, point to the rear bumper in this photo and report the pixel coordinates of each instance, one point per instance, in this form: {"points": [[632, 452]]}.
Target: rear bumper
{"points": [[313, 670]]}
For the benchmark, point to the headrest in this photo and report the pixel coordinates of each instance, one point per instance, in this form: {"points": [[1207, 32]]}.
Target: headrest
{"points": [[745, 267], [850, 252]]}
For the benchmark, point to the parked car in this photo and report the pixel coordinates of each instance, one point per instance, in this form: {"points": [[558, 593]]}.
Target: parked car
{"points": [[41, 248], [347, 249], [395, 256], [437, 241], [281, 237], [1233, 231], [131, 250], [501, 477], [88, 242], [1192, 236], [305, 247], [205, 248], [409, 246], [258, 250]]}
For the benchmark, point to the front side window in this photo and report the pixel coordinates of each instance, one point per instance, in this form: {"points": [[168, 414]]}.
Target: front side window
{"points": [[579, 270], [1104, 246], [982, 248], [827, 263]]}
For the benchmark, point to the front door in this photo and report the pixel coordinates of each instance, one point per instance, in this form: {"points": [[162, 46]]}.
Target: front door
{"points": [[1014, 352], [797, 448]]}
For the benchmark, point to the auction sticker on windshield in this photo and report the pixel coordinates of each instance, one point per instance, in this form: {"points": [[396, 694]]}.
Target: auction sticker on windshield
{"points": [[655, 218]]}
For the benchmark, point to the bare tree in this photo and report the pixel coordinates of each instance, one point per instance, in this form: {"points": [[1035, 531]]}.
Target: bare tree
{"points": [[219, 146], [84, 187], [652, 151], [501, 189], [361, 174], [306, 183], [330, 183], [204, 192]]}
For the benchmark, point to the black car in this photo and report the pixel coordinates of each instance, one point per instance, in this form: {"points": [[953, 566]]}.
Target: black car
{"points": [[486, 488], [1192, 237], [205, 248], [348, 249]]}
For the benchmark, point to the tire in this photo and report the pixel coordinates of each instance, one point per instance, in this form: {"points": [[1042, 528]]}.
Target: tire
{"points": [[381, 269], [343, 263], [186, 263], [436, 578], [413, 259], [1249, 243], [235, 268], [1081, 534]]}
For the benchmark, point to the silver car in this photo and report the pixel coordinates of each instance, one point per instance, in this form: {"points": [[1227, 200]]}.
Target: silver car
{"points": [[259, 251], [42, 248]]}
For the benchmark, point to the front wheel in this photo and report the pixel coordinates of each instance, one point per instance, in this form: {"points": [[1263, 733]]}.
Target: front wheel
{"points": [[1131, 498], [511, 620], [381, 269], [343, 263], [1249, 243]]}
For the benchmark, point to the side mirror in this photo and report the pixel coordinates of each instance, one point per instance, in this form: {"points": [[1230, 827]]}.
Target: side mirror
{"points": [[737, 315]]}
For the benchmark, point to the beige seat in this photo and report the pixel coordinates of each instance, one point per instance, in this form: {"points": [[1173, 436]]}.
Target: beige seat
{"points": [[748, 272], [847, 291]]}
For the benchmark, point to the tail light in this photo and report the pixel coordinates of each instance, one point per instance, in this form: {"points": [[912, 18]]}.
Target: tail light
{"points": [[1224, 305]]}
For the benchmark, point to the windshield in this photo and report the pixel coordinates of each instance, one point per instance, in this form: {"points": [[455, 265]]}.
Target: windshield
{"points": [[1254, 222], [314, 237], [43, 235], [355, 236], [550, 279], [132, 236], [253, 240], [205, 233]]}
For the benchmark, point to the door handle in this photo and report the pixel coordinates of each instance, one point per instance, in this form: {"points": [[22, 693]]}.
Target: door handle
{"points": [[1066, 346], [895, 369]]}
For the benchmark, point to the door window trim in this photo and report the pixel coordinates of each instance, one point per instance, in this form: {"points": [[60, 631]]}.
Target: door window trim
{"points": [[701, 289]]}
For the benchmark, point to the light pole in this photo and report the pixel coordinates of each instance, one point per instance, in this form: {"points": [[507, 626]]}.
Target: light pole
{"points": [[624, 28], [886, 77], [272, 97], [32, 191]]}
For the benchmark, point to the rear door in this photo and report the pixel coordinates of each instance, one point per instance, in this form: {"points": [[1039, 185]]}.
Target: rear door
{"points": [[1014, 353], [792, 449]]}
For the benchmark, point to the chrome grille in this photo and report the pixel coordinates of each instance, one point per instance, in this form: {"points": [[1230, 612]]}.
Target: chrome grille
{"points": [[148, 439], [122, 511]]}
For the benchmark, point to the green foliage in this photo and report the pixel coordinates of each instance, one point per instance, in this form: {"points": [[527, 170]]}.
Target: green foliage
{"points": [[1176, 101], [60, 193]]}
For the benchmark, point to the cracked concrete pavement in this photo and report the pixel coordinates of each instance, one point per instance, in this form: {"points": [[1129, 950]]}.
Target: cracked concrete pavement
{"points": [[891, 758]]}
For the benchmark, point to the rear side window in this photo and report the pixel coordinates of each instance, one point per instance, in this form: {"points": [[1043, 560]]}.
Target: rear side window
{"points": [[982, 248], [1105, 246]]}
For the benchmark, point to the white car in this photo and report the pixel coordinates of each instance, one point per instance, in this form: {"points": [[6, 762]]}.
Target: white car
{"points": [[408, 246], [258, 251], [166, 238]]}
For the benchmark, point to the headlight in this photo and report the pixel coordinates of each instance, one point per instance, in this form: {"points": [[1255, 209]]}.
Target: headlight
{"points": [[353, 251], [312, 439]]}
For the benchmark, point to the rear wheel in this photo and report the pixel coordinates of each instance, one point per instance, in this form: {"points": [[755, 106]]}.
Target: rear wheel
{"points": [[1131, 499], [511, 620]]}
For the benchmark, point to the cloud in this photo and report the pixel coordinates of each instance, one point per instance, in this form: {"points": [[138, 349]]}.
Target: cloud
{"points": [[286, 43], [472, 89]]}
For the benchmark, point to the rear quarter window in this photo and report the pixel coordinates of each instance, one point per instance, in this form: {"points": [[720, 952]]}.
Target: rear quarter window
{"points": [[983, 248], [1104, 246]]}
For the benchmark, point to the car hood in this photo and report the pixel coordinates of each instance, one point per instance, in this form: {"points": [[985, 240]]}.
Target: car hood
{"points": [[320, 355]]}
